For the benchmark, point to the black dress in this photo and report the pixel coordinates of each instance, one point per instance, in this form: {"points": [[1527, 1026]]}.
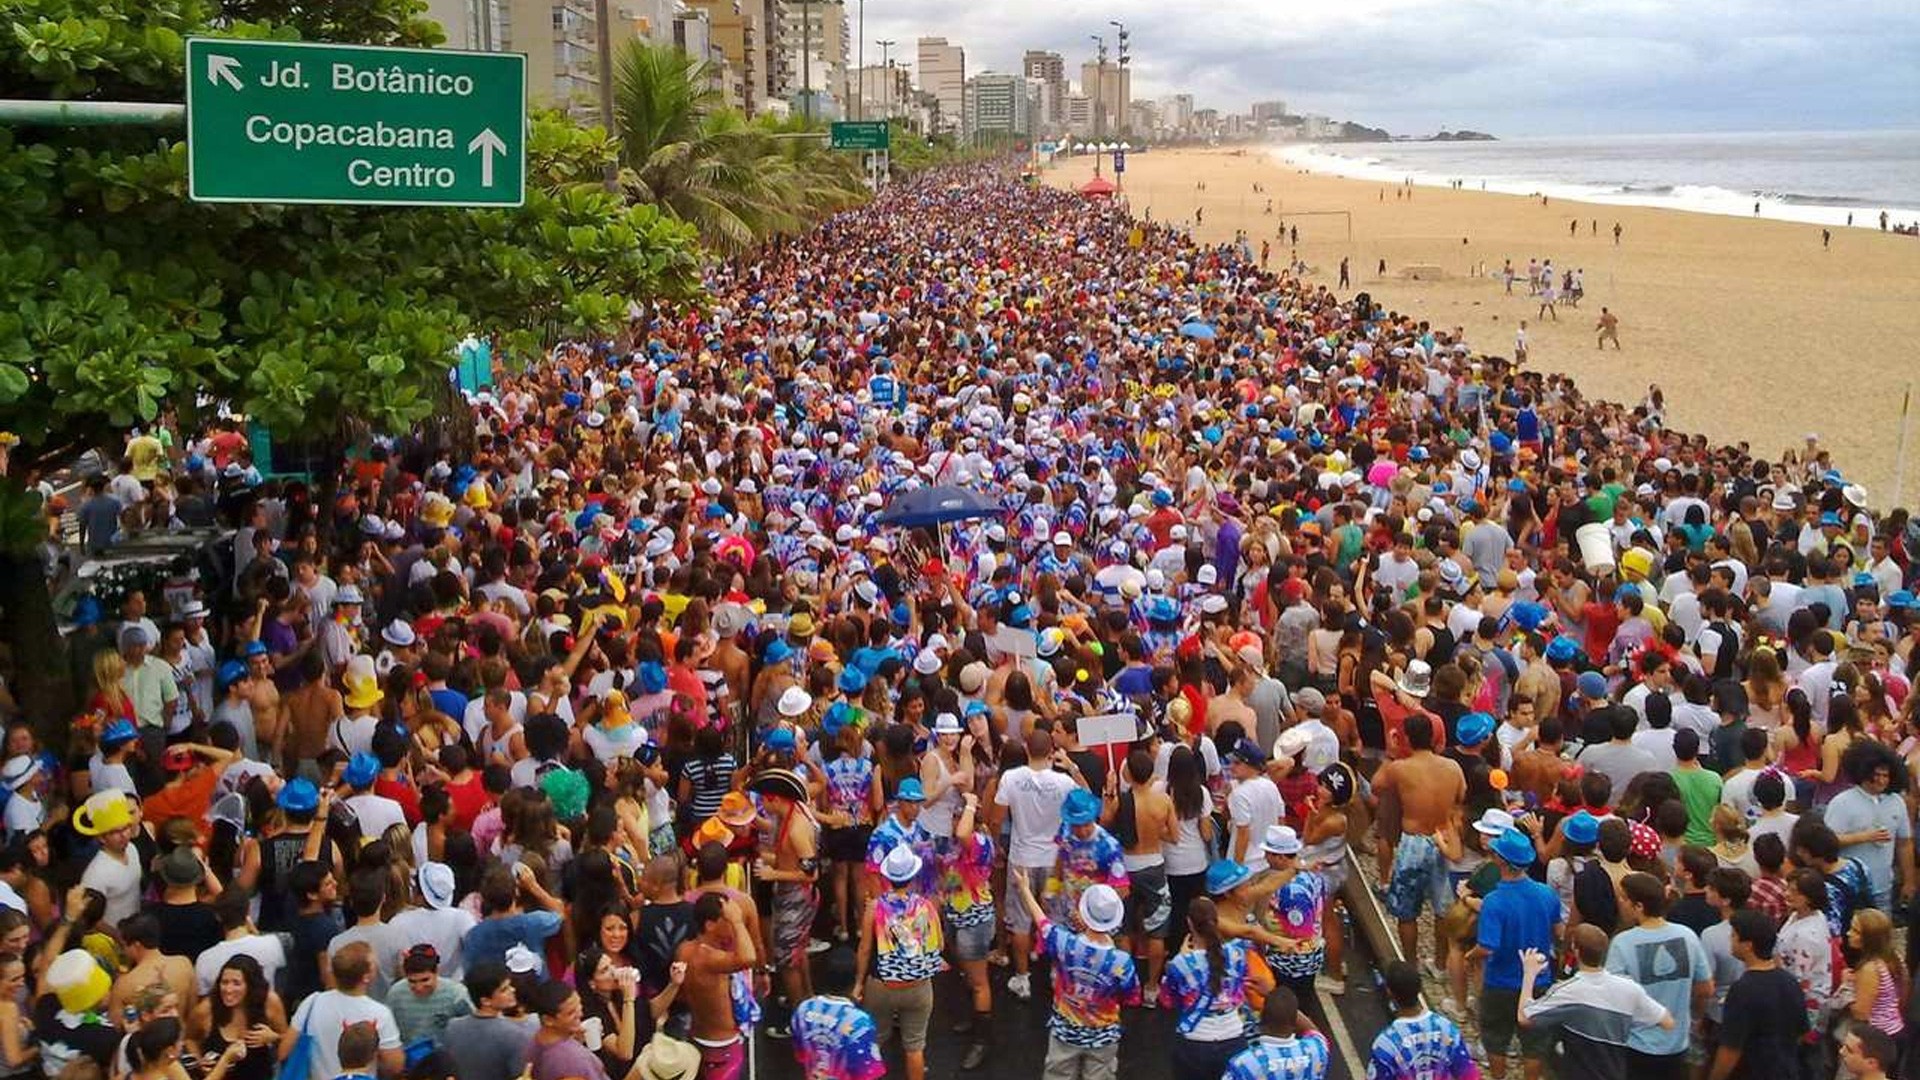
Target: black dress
{"points": [[258, 1063]]}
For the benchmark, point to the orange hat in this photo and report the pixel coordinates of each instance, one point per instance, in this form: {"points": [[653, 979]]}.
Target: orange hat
{"points": [[713, 830], [736, 810]]}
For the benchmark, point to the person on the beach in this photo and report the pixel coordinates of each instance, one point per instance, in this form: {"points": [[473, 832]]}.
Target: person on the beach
{"points": [[1616, 234], [1549, 296], [1520, 344], [1609, 328], [1344, 280]]}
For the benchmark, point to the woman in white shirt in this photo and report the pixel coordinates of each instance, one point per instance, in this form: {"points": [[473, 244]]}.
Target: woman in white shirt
{"points": [[1190, 848]]}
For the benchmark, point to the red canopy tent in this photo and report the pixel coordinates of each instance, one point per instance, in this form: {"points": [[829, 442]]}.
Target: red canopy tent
{"points": [[1098, 188]]}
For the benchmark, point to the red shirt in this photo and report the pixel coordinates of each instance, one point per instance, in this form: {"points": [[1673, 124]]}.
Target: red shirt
{"points": [[402, 792], [469, 799]]}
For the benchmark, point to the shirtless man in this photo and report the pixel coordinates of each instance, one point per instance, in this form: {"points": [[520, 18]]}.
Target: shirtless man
{"points": [[721, 947], [1149, 903], [1418, 794], [310, 710], [1609, 328], [794, 869]]}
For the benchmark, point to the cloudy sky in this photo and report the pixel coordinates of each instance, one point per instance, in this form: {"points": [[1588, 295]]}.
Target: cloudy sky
{"points": [[1509, 67]]}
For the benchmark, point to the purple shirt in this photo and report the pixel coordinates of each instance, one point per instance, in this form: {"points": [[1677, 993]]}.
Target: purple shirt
{"points": [[282, 641]]}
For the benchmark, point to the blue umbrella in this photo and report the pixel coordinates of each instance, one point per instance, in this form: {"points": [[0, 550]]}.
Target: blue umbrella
{"points": [[1197, 329], [925, 506]]}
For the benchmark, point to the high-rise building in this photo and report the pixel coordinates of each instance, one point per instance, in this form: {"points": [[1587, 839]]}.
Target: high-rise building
{"points": [[1176, 114], [1051, 69], [998, 103], [1110, 87], [942, 72], [1263, 111], [813, 39], [734, 29], [885, 92], [1079, 116]]}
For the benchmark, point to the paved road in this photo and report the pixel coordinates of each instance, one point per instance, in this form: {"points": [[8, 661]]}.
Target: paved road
{"points": [[1020, 1035]]}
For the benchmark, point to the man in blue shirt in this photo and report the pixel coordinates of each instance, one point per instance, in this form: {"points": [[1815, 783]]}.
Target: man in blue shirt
{"points": [[1519, 914], [506, 925], [1669, 962]]}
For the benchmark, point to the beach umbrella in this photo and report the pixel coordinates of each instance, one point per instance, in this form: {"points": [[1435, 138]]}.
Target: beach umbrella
{"points": [[1197, 329], [936, 505]]}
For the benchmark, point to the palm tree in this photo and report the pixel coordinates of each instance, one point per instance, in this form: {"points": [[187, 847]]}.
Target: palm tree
{"points": [[682, 149]]}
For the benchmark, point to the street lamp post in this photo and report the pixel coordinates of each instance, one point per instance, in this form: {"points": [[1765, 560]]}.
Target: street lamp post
{"points": [[806, 59], [1120, 125], [886, 86], [860, 35]]}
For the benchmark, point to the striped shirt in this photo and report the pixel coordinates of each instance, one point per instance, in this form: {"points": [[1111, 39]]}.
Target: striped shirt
{"points": [[710, 779], [1424, 1047], [1205, 1015], [907, 937], [1303, 1057]]}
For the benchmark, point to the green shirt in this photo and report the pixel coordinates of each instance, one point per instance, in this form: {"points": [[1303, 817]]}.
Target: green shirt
{"points": [[152, 689], [426, 1017], [1700, 790]]}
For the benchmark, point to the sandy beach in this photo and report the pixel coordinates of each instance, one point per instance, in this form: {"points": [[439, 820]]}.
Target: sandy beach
{"points": [[1753, 331]]}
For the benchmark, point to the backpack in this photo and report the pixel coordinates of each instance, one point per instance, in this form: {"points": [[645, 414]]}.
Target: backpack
{"points": [[1594, 896]]}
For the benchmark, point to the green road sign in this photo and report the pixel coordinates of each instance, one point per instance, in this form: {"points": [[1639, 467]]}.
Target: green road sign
{"points": [[858, 135], [302, 122]]}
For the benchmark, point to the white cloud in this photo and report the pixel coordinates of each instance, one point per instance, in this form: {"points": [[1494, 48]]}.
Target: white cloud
{"points": [[1555, 66]]}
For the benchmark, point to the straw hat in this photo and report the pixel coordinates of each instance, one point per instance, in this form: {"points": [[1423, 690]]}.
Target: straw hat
{"points": [[667, 1058]]}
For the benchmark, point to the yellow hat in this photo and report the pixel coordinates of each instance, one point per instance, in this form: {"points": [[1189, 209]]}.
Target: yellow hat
{"points": [[102, 813], [1636, 562], [364, 693], [476, 496], [800, 625], [78, 981]]}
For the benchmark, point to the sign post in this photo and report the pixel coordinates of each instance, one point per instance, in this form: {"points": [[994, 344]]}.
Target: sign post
{"points": [[859, 135], [305, 122]]}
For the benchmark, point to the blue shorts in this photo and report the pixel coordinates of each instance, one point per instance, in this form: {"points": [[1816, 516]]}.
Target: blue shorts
{"points": [[974, 941], [1419, 876]]}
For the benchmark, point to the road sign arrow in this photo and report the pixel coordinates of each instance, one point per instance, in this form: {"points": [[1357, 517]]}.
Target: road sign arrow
{"points": [[488, 144], [223, 69]]}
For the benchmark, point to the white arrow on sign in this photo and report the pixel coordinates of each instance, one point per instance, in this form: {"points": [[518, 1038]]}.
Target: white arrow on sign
{"points": [[488, 144], [223, 68]]}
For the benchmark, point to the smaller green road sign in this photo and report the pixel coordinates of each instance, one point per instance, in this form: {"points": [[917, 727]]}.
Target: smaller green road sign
{"points": [[858, 135], [303, 122]]}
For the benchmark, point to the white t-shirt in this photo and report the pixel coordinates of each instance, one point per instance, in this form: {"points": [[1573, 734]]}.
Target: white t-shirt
{"points": [[327, 1014], [118, 880], [1658, 742], [109, 776], [353, 734], [266, 948], [475, 720], [1033, 800], [445, 929], [375, 813], [1253, 804]]}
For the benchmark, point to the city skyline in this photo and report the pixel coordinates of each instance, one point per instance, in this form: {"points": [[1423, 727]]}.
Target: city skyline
{"points": [[1499, 67]]}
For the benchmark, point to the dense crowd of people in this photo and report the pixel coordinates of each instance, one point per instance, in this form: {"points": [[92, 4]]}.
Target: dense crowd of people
{"points": [[983, 588]]}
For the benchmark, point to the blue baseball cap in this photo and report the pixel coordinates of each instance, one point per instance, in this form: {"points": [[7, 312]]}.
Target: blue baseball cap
{"points": [[299, 796], [231, 672], [1082, 807], [1475, 728], [1225, 875], [118, 733], [1591, 684], [910, 791], [361, 770]]}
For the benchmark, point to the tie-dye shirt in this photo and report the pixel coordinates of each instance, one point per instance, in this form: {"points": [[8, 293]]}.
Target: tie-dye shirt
{"points": [[969, 881], [835, 1040], [849, 779], [1424, 1047], [907, 938], [890, 834], [1295, 913], [1203, 1012], [1082, 864], [1091, 983]]}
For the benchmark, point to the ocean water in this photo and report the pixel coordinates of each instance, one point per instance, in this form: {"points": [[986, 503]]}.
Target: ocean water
{"points": [[1816, 177]]}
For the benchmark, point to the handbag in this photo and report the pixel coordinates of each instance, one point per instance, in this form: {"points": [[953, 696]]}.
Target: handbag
{"points": [[298, 1064]]}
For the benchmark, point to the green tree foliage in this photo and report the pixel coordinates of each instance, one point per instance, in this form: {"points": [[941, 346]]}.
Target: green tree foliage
{"points": [[734, 180], [119, 297]]}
